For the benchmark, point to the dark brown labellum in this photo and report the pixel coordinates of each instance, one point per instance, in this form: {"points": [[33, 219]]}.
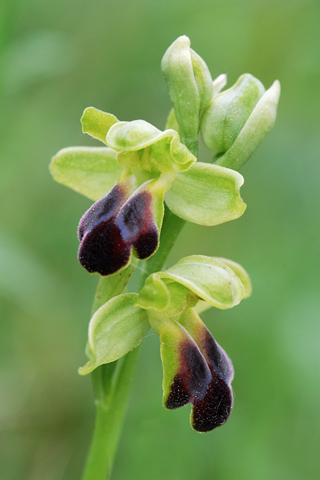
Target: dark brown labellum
{"points": [[112, 226], [203, 379], [192, 379]]}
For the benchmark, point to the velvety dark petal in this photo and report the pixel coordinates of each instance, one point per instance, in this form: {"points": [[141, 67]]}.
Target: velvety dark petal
{"points": [[136, 224], [216, 357], [112, 226], [214, 409], [102, 210], [192, 379], [102, 249], [186, 375]]}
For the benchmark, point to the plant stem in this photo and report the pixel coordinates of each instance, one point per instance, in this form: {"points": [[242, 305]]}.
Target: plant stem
{"points": [[112, 385]]}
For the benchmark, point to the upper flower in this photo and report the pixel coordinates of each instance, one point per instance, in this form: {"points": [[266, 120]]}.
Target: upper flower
{"points": [[130, 178]]}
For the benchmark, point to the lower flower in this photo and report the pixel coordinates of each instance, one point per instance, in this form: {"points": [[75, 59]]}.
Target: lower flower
{"points": [[196, 370]]}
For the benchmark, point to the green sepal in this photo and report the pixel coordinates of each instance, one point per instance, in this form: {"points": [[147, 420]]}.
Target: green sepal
{"points": [[206, 194], [204, 278], [91, 171], [154, 294], [115, 329], [241, 273], [159, 151], [254, 131], [97, 123], [209, 279]]}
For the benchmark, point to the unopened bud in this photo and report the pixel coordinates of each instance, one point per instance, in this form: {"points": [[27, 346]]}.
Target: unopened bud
{"points": [[237, 120], [190, 85]]}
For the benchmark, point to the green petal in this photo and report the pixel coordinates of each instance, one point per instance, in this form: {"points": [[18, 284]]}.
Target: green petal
{"points": [[89, 171], [116, 328], [206, 194], [97, 123]]}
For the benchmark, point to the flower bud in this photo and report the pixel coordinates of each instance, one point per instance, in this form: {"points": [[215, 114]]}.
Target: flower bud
{"points": [[228, 111], [237, 120], [189, 83]]}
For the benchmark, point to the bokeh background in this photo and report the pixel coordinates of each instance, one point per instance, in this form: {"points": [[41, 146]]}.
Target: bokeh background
{"points": [[58, 57]]}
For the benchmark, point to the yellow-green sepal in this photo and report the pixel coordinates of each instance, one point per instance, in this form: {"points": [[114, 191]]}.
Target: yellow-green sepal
{"points": [[241, 274], [196, 278], [209, 279], [91, 171], [206, 194], [115, 329]]}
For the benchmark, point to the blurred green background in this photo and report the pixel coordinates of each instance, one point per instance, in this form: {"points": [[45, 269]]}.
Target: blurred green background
{"points": [[58, 57]]}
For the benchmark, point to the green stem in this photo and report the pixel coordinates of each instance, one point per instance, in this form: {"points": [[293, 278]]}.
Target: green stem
{"points": [[112, 385]]}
